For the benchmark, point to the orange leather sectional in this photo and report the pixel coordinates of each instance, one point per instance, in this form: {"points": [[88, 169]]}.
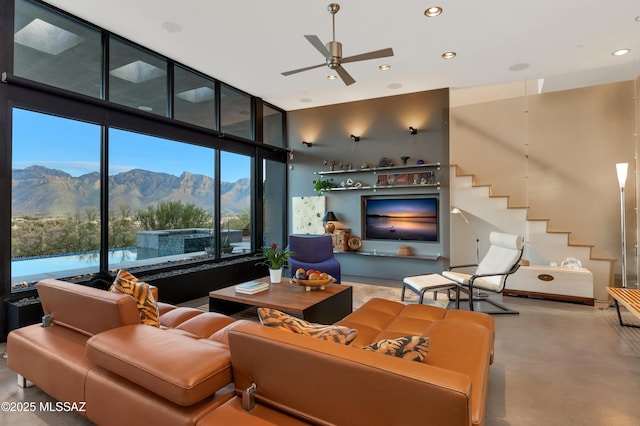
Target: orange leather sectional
{"points": [[193, 369]]}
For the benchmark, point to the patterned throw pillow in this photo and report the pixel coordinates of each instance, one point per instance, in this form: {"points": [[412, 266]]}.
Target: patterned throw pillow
{"points": [[126, 283], [414, 348], [333, 333]]}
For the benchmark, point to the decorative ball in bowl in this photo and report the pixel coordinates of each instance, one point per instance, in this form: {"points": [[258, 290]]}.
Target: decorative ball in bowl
{"points": [[312, 278]]}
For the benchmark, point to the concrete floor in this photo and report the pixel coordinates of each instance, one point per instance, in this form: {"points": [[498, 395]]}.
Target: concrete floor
{"points": [[556, 363]]}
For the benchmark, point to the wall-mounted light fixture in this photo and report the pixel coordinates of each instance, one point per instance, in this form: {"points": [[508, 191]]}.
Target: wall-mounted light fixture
{"points": [[308, 144], [413, 130], [355, 138], [290, 152]]}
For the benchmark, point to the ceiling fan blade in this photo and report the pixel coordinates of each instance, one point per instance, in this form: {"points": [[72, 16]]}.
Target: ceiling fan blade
{"points": [[304, 69], [345, 76], [382, 53], [315, 41]]}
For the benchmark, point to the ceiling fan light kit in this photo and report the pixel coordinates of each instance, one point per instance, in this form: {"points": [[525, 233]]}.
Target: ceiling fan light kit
{"points": [[332, 52]]}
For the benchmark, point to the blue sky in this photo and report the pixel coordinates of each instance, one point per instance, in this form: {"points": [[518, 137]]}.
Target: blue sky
{"points": [[74, 147]]}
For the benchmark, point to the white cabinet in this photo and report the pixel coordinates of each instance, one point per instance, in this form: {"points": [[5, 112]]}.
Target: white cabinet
{"points": [[549, 282]]}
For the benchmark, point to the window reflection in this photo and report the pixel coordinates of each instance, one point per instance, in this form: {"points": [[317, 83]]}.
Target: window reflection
{"points": [[137, 78], [195, 98], [56, 50], [235, 113], [273, 126]]}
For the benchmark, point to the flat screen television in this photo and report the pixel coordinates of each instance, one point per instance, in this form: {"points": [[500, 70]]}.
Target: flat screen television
{"points": [[406, 218]]}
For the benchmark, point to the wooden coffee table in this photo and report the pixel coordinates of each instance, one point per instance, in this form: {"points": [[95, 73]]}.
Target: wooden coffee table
{"points": [[321, 306]]}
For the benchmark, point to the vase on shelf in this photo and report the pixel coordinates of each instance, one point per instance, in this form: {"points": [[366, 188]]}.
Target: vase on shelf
{"points": [[275, 275]]}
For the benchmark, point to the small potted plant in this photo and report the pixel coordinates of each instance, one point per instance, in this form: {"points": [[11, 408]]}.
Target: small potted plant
{"points": [[275, 261], [321, 186]]}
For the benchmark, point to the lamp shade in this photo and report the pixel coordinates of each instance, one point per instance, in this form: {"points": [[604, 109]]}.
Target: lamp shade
{"points": [[329, 217], [621, 169]]}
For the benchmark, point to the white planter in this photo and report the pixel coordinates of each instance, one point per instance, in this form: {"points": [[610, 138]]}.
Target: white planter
{"points": [[275, 275]]}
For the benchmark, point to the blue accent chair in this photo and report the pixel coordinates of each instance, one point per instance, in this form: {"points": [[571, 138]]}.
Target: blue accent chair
{"points": [[313, 252]]}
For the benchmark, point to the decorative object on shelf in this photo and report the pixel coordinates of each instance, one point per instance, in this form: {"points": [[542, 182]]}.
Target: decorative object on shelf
{"points": [[621, 169], [327, 219], [364, 165], [404, 251], [320, 185], [419, 162], [355, 138], [413, 130], [332, 165], [385, 162], [308, 144], [404, 160], [340, 239], [275, 261], [571, 263], [357, 185], [391, 178], [354, 243]]}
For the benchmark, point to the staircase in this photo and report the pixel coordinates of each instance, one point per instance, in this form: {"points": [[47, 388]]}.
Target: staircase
{"points": [[486, 212]]}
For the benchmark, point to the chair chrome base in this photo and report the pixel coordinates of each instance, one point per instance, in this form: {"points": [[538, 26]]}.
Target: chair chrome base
{"points": [[503, 310]]}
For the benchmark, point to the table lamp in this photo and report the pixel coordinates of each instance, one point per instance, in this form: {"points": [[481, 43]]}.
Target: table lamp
{"points": [[327, 219]]}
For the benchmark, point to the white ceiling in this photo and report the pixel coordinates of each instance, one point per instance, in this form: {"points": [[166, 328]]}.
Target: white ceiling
{"points": [[248, 43]]}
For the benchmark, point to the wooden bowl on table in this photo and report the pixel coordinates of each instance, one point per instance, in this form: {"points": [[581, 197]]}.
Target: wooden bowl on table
{"points": [[309, 284]]}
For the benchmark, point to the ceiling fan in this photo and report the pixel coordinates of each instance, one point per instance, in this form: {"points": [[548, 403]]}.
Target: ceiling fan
{"points": [[333, 52]]}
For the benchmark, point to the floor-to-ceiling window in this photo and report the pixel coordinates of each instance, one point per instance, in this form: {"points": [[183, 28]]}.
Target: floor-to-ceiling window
{"points": [[55, 200], [121, 157], [161, 199]]}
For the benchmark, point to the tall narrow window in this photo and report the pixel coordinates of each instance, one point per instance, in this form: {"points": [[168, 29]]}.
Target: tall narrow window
{"points": [[274, 202], [137, 78], [55, 199], [54, 49], [273, 126], [161, 200], [235, 202]]}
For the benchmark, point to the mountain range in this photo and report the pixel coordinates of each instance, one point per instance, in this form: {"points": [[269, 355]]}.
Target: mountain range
{"points": [[43, 192]]}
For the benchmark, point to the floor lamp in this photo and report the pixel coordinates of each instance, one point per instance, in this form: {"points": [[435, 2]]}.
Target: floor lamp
{"points": [[456, 210], [621, 169]]}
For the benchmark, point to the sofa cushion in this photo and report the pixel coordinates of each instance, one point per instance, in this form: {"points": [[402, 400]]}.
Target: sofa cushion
{"points": [[126, 283], [275, 318], [414, 348], [178, 368]]}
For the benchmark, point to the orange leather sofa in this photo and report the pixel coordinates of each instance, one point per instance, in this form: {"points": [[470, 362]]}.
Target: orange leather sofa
{"points": [[194, 369]]}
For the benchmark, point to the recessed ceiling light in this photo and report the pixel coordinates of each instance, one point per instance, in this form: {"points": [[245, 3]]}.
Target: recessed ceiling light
{"points": [[171, 27], [448, 55], [519, 67], [331, 77], [145, 108], [305, 100], [433, 11], [384, 67], [621, 52], [638, 18], [394, 86]]}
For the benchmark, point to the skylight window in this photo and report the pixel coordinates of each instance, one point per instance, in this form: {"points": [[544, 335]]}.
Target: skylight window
{"points": [[47, 38], [196, 95], [137, 72]]}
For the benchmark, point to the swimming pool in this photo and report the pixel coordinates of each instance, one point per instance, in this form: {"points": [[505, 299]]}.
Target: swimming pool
{"points": [[52, 264]]}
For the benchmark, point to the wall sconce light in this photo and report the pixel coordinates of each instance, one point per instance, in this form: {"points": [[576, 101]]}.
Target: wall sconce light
{"points": [[355, 138], [308, 144], [290, 152], [413, 130]]}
